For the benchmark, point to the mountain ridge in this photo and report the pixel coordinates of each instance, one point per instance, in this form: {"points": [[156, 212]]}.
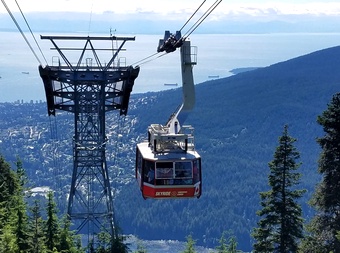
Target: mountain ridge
{"points": [[237, 123]]}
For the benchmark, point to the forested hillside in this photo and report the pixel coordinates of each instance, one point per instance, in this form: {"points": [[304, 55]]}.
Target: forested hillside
{"points": [[237, 123]]}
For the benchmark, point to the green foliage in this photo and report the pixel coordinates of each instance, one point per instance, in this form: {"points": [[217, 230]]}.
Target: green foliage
{"points": [[118, 244], [324, 226], [8, 240], [223, 247], [236, 120], [263, 236], [8, 188], [140, 247], [52, 229], [232, 245], [21, 174], [36, 229], [227, 245], [23, 233], [21, 229], [69, 242], [12, 203], [190, 245], [106, 243], [281, 225]]}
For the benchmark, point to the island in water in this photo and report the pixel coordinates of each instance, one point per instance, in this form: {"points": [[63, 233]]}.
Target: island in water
{"points": [[241, 70]]}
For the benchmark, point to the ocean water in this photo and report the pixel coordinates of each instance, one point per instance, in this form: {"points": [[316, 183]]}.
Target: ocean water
{"points": [[217, 55]]}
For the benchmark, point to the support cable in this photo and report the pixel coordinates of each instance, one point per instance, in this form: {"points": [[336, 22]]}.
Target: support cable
{"points": [[145, 60], [201, 19], [188, 33], [22, 33], [36, 42], [192, 16], [88, 33], [136, 63], [56, 164], [121, 123]]}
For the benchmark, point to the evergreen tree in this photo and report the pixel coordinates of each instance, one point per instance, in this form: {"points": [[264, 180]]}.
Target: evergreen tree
{"points": [[190, 245], [68, 239], [325, 225], [8, 187], [20, 208], [223, 247], [232, 246], [12, 203], [36, 230], [118, 244], [281, 225], [106, 243], [20, 233], [227, 245], [8, 240], [263, 234], [52, 230], [21, 174], [140, 247], [21, 227]]}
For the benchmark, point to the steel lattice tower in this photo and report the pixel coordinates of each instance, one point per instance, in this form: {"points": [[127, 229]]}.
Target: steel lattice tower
{"points": [[89, 89]]}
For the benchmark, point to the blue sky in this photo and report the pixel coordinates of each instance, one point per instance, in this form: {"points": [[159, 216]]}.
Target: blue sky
{"points": [[137, 16], [169, 7]]}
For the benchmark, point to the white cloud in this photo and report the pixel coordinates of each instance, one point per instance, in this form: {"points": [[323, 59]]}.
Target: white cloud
{"points": [[181, 10], [169, 7], [272, 9]]}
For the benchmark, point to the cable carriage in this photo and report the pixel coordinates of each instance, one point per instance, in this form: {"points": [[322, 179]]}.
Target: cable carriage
{"points": [[167, 165], [170, 42]]}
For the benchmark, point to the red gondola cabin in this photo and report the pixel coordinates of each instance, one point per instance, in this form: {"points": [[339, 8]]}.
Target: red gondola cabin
{"points": [[168, 175]]}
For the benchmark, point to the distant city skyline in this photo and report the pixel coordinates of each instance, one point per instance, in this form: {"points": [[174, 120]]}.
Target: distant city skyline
{"points": [[249, 37]]}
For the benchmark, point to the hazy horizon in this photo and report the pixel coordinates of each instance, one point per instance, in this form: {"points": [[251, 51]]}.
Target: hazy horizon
{"points": [[217, 55], [80, 22], [150, 16]]}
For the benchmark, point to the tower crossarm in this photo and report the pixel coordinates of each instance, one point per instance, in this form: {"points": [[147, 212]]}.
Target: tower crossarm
{"points": [[62, 86], [88, 45]]}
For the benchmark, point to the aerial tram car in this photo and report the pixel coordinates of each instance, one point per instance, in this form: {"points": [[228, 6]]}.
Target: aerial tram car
{"points": [[167, 164]]}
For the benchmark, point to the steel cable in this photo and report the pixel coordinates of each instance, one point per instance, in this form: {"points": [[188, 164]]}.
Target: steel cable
{"points": [[192, 15], [189, 31], [201, 19], [22, 33], [29, 27]]}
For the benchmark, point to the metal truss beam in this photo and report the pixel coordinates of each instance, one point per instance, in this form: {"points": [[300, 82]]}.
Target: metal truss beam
{"points": [[89, 91]]}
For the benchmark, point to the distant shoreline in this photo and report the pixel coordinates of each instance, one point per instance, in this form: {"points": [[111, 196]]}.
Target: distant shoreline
{"points": [[241, 70], [158, 32]]}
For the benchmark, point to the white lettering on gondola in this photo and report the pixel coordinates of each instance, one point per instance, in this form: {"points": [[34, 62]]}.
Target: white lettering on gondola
{"points": [[163, 193], [172, 193]]}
